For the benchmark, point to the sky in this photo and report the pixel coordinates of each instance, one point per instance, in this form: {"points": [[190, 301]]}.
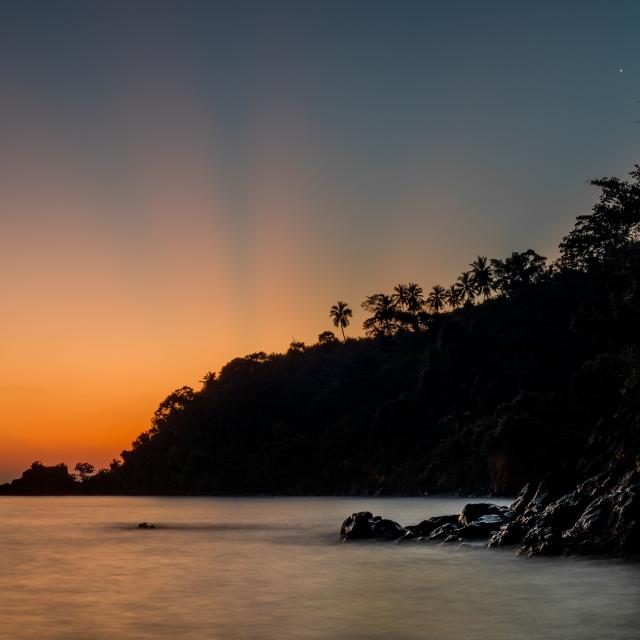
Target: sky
{"points": [[185, 182]]}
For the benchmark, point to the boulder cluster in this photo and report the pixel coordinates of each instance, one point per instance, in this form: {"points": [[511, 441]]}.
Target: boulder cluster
{"points": [[600, 516]]}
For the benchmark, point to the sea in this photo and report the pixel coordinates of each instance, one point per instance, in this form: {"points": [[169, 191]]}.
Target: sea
{"points": [[79, 568]]}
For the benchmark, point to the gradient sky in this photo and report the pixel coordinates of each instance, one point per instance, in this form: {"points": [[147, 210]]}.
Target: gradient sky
{"points": [[184, 182]]}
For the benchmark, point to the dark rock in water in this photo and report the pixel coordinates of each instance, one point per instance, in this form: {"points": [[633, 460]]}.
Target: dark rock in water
{"points": [[473, 511], [387, 529], [542, 541], [522, 500], [357, 526], [482, 527], [145, 525], [445, 531], [426, 527], [563, 512], [543, 496], [363, 525], [600, 516], [511, 533], [410, 536], [611, 522]]}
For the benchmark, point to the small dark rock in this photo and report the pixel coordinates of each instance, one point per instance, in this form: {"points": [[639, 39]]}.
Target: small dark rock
{"points": [[146, 525], [444, 531], [357, 526], [511, 533], [426, 527], [482, 527], [519, 505], [387, 529], [475, 510]]}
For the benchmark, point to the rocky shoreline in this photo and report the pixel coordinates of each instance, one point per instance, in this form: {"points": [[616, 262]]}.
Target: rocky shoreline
{"points": [[600, 516]]}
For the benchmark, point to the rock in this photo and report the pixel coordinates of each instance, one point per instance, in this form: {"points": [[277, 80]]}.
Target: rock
{"points": [[363, 525], [146, 525], [445, 531], [357, 526], [543, 496], [542, 541], [475, 510], [563, 512], [387, 529], [600, 516], [410, 536], [611, 522], [511, 533], [519, 505], [482, 527], [426, 527]]}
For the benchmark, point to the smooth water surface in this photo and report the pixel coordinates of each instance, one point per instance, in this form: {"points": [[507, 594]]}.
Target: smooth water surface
{"points": [[273, 568]]}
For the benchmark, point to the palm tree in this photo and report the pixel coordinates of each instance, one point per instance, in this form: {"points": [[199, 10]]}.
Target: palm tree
{"points": [[340, 314], [482, 275], [437, 298], [401, 295], [384, 310], [415, 299], [467, 287], [453, 296], [208, 379]]}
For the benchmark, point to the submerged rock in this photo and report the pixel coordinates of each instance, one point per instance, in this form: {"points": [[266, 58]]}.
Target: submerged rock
{"points": [[146, 525]]}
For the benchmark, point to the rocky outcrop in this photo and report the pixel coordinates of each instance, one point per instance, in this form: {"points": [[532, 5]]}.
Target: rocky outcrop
{"points": [[600, 516], [477, 521]]}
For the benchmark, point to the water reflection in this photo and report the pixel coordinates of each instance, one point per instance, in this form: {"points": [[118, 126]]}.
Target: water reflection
{"points": [[274, 568]]}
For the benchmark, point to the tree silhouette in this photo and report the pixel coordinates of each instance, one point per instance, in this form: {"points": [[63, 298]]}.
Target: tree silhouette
{"points": [[401, 295], [84, 470], [415, 298], [340, 314], [327, 337], [383, 309], [437, 298], [481, 275], [297, 346], [453, 296], [615, 221], [519, 270], [208, 379], [467, 287]]}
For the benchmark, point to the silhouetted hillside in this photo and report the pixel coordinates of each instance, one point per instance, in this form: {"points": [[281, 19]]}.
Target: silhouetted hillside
{"points": [[446, 394]]}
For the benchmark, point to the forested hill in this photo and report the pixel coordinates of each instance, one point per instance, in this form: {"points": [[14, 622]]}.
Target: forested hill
{"points": [[520, 370]]}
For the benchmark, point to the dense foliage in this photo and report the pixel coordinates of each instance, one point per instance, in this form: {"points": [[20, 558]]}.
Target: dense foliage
{"points": [[503, 377]]}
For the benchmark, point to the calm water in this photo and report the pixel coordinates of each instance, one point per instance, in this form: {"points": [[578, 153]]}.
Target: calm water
{"points": [[273, 568]]}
